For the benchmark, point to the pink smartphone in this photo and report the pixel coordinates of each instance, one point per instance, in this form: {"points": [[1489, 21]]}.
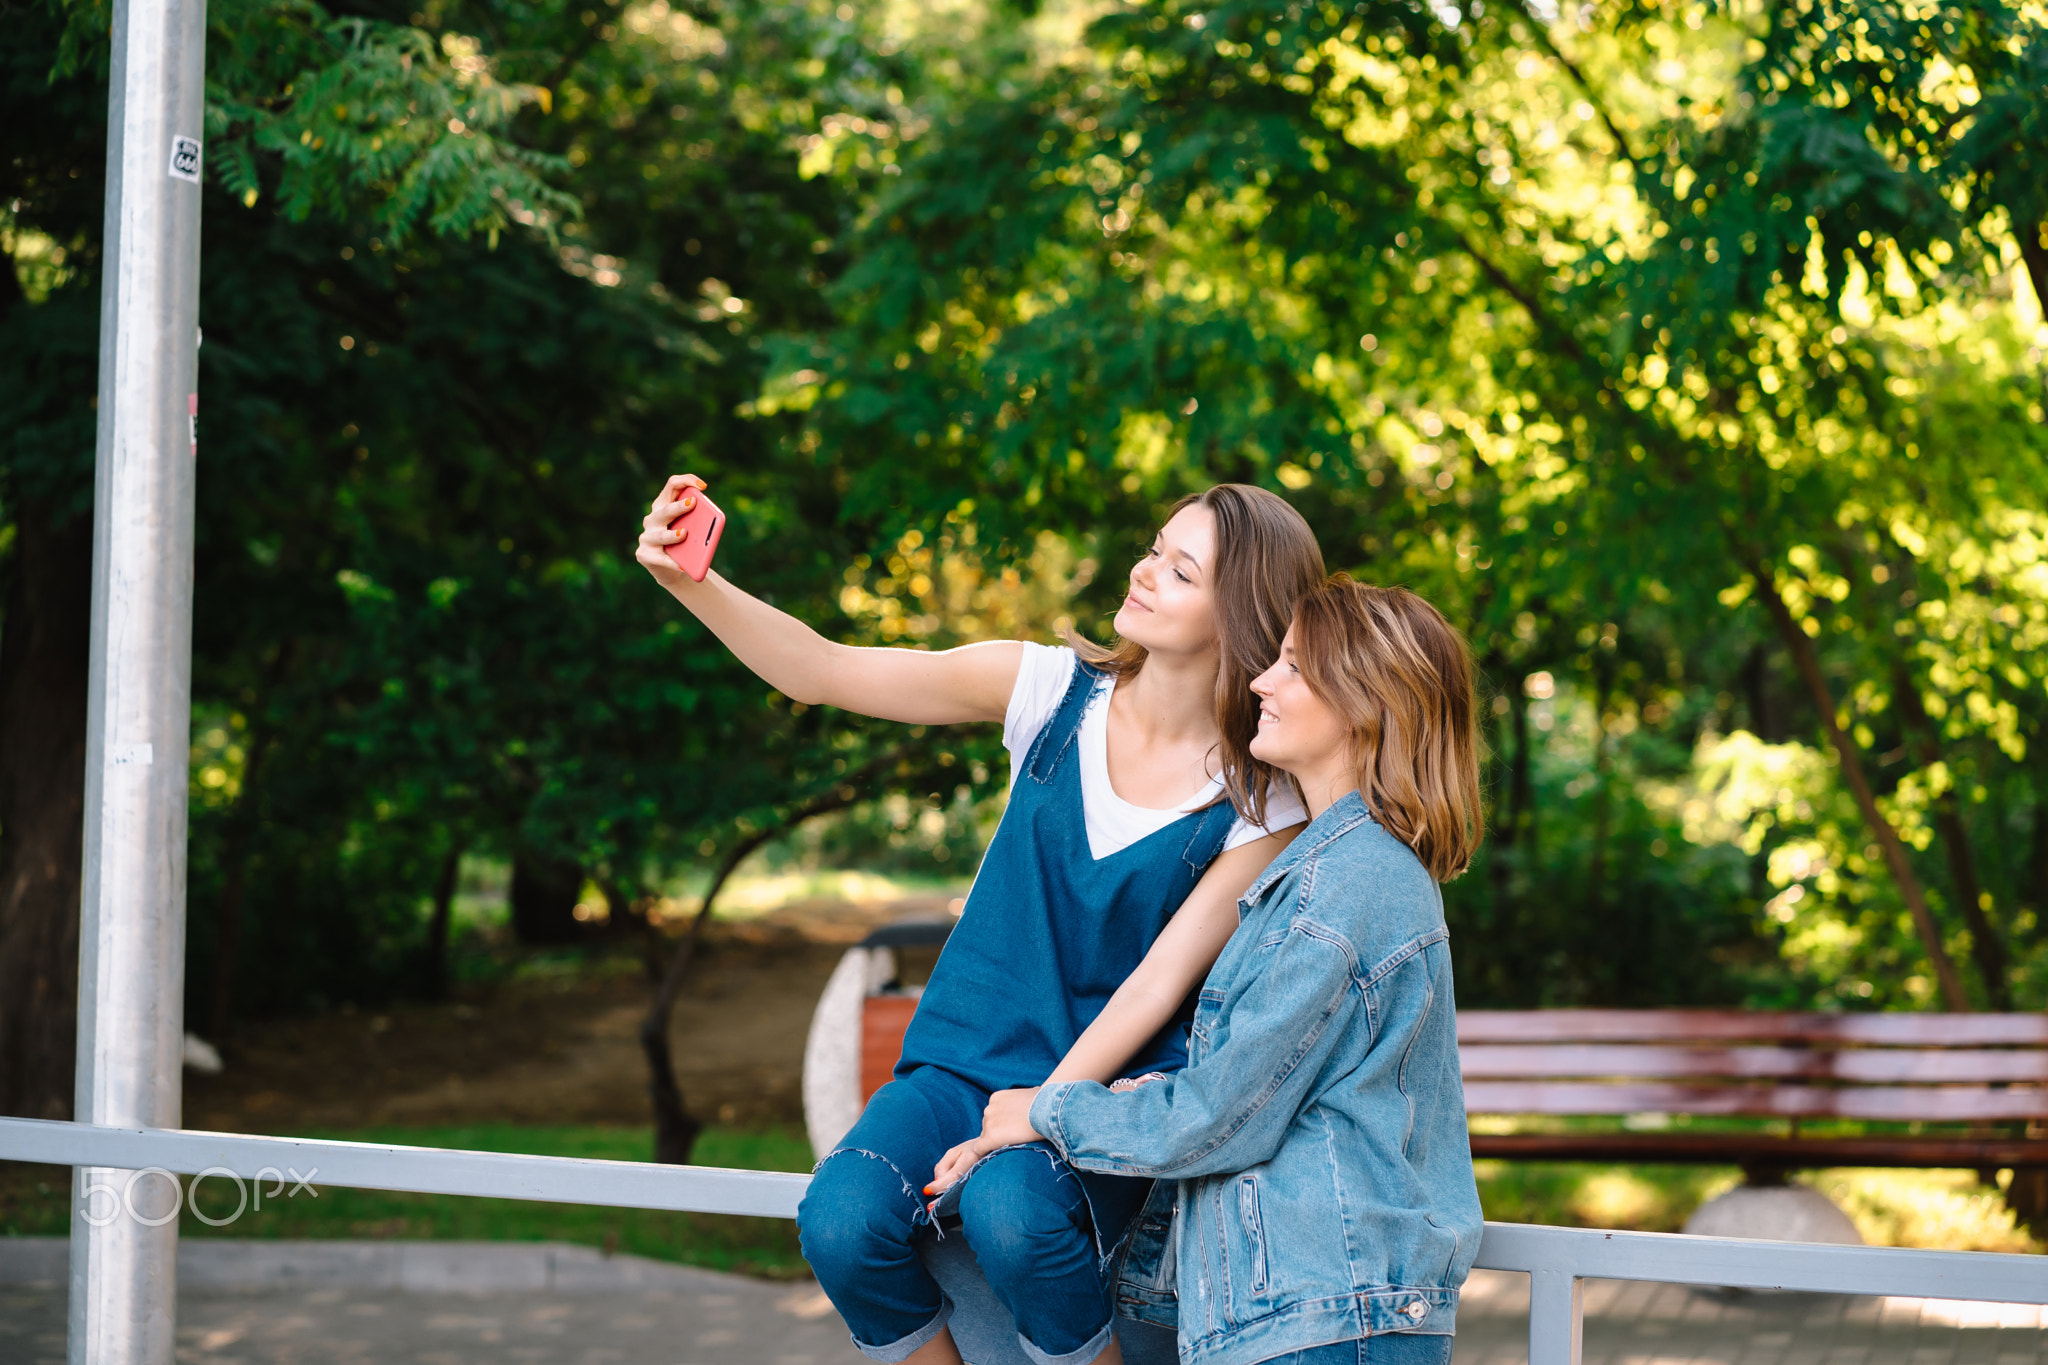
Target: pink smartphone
{"points": [[701, 526]]}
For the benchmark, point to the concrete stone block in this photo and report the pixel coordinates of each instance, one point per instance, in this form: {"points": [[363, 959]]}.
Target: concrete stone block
{"points": [[1776, 1213]]}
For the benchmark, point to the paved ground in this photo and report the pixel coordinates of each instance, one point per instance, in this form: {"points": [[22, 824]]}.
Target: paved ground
{"points": [[705, 1319], [1633, 1323], [742, 1323]]}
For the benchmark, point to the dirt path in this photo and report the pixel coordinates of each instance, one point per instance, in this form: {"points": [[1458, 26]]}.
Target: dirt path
{"points": [[561, 1049]]}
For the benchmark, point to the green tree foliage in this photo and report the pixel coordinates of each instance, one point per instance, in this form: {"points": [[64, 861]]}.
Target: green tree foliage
{"points": [[438, 391], [1689, 353], [456, 454], [1673, 347]]}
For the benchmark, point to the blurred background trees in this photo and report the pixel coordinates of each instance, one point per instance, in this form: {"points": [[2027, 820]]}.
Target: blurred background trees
{"points": [[1689, 354]]}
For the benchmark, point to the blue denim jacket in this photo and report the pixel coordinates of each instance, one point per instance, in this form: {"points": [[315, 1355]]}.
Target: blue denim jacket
{"points": [[1316, 1177]]}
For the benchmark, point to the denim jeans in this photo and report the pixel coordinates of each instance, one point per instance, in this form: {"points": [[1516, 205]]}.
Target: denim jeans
{"points": [[1389, 1348], [1029, 1217]]}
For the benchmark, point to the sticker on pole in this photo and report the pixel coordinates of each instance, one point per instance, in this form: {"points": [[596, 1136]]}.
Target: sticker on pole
{"points": [[185, 159]]}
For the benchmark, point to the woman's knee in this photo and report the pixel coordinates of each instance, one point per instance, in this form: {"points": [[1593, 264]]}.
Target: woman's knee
{"points": [[858, 1213], [1020, 1207]]}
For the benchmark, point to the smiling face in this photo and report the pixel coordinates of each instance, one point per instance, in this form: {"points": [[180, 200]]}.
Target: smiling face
{"points": [[1300, 734], [1170, 608]]}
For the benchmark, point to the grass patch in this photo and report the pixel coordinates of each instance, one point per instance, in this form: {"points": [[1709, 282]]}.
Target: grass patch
{"points": [[35, 1200], [1583, 1195], [1937, 1210]]}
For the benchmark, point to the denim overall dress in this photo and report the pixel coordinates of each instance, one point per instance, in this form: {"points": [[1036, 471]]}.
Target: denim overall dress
{"points": [[1048, 934]]}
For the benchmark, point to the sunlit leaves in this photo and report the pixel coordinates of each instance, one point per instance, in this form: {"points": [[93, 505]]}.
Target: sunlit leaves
{"points": [[365, 118]]}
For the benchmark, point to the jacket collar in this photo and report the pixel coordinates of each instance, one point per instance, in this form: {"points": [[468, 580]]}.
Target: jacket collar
{"points": [[1345, 814]]}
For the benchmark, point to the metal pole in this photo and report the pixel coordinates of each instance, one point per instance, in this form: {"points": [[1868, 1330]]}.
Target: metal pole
{"points": [[1557, 1302], [132, 941]]}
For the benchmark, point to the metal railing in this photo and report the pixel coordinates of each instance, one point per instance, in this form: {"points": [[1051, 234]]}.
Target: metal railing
{"points": [[1558, 1261]]}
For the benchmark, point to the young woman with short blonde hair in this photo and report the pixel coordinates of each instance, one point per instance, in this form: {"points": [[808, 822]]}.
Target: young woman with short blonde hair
{"points": [[1315, 1176]]}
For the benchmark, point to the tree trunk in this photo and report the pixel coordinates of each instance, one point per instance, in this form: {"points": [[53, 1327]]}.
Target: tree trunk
{"points": [[630, 914], [227, 932], [1807, 661], [1596, 869], [1507, 815], [2037, 855], [2027, 1197], [1520, 789], [675, 1128], [43, 678], [544, 895], [2034, 252], [435, 984], [1987, 945], [1765, 719]]}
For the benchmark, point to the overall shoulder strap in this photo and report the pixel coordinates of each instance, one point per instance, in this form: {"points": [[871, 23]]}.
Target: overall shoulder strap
{"points": [[1205, 841], [1057, 737]]}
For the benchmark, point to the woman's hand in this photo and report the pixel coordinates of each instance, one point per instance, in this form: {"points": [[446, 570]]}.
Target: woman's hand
{"points": [[677, 496], [958, 1161], [1006, 1122], [921, 687]]}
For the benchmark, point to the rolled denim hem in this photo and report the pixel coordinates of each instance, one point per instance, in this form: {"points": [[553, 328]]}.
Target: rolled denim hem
{"points": [[1092, 1348], [904, 1348]]}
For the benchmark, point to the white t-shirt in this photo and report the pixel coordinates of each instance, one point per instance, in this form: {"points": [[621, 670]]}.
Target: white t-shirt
{"points": [[1113, 823]]}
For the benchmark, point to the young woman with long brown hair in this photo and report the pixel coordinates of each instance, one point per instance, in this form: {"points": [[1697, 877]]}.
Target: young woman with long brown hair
{"points": [[1137, 813]]}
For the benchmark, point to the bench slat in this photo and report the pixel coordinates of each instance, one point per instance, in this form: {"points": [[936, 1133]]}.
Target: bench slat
{"points": [[1930, 1066], [1763, 1149], [1951, 1104], [1709, 1026]]}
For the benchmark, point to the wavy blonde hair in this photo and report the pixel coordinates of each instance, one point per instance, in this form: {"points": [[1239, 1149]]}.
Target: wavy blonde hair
{"points": [[1266, 558], [1400, 677]]}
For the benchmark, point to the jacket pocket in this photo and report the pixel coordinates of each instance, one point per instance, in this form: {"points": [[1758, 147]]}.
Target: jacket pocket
{"points": [[1254, 1229]]}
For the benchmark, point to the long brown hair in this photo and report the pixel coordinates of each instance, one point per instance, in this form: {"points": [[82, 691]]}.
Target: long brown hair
{"points": [[1266, 558], [1400, 676]]}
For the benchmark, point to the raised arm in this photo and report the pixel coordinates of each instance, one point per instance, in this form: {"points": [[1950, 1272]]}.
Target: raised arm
{"points": [[923, 687], [1178, 961]]}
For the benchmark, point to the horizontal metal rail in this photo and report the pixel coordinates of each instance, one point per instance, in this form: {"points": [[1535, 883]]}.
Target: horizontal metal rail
{"points": [[1558, 1261], [417, 1170]]}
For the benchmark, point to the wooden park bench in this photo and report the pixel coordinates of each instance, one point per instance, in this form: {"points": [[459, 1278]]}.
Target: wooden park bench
{"points": [[1941, 1090]]}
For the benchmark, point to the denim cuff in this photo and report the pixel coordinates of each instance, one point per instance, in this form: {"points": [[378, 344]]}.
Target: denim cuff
{"points": [[903, 1348], [1046, 1114], [1081, 1355]]}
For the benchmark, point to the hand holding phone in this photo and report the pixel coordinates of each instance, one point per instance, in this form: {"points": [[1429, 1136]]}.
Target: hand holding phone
{"points": [[699, 528]]}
